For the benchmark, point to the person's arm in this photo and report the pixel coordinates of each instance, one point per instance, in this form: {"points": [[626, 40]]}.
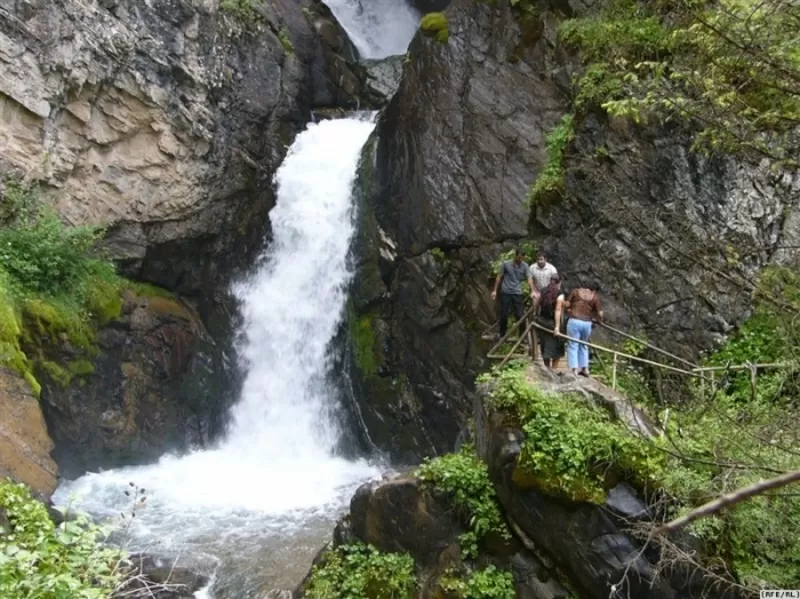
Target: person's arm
{"points": [[532, 285], [497, 282], [559, 310], [598, 308]]}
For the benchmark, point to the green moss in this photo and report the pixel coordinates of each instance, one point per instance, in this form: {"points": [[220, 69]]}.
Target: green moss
{"points": [[286, 42], [551, 179], [435, 24], [148, 290], [362, 338], [55, 291]]}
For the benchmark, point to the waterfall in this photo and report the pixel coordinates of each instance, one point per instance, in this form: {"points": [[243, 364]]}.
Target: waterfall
{"points": [[378, 28], [275, 472], [256, 508]]}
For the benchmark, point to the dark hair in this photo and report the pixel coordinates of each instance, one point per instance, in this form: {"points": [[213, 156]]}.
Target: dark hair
{"points": [[555, 279], [519, 252], [542, 254], [593, 285]]}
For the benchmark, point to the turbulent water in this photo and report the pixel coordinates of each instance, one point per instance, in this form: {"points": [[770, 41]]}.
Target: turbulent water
{"points": [[378, 28], [261, 499]]}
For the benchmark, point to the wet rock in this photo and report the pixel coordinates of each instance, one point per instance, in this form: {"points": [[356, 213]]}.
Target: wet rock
{"points": [[426, 6], [384, 75], [398, 515], [25, 444], [156, 386], [163, 579]]}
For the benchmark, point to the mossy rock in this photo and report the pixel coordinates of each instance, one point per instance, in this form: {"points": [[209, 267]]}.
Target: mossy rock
{"points": [[435, 25]]}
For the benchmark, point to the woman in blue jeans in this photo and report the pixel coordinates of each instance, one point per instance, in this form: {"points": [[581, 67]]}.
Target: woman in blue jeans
{"points": [[583, 306]]}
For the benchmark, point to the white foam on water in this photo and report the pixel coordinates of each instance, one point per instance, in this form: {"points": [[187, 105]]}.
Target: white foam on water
{"points": [[378, 28], [275, 474]]}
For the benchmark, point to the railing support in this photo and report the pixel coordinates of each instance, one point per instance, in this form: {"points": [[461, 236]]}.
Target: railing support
{"points": [[614, 373]]}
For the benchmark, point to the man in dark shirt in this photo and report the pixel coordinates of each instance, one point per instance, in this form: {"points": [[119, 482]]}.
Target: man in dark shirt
{"points": [[511, 275]]}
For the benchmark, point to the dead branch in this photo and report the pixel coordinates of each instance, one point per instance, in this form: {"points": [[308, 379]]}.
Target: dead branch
{"points": [[727, 500]]}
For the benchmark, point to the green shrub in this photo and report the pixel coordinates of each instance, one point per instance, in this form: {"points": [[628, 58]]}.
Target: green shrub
{"points": [[489, 583], [53, 287], [41, 561], [362, 572], [551, 178], [435, 24], [465, 479]]}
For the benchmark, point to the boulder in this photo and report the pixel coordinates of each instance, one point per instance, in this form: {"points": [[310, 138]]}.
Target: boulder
{"points": [[25, 444], [156, 386]]}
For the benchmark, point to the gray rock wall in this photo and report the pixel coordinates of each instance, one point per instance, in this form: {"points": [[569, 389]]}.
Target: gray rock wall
{"points": [[674, 239]]}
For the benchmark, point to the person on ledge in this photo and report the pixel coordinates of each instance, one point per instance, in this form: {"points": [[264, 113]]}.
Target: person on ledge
{"points": [[551, 306], [583, 305], [542, 273], [511, 275]]}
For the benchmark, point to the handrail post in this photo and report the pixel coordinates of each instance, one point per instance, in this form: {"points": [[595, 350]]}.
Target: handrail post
{"points": [[614, 372]]}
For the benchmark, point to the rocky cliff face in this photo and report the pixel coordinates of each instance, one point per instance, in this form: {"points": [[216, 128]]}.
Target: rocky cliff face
{"points": [[25, 444], [673, 238], [165, 120], [156, 385]]}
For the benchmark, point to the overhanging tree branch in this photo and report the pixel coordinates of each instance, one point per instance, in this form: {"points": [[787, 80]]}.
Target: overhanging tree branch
{"points": [[727, 500]]}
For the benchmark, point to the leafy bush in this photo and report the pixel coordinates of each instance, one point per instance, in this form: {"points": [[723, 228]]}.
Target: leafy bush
{"points": [[41, 561], [551, 178], [489, 583], [362, 572], [570, 445], [730, 68], [465, 479], [52, 285]]}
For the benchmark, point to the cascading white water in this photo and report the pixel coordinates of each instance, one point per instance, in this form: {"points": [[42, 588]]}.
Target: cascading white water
{"points": [[378, 28], [275, 471], [257, 507]]}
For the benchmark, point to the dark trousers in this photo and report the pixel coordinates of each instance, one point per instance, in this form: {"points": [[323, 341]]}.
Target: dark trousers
{"points": [[511, 303]]}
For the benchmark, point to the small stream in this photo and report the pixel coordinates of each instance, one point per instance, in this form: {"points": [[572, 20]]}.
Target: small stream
{"points": [[254, 510]]}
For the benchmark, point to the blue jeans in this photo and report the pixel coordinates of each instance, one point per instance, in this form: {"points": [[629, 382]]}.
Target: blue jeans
{"points": [[577, 353]]}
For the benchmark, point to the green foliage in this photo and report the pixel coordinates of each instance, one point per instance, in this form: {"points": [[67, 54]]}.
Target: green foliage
{"points": [[731, 68], [362, 572], [435, 24], [243, 10], [465, 479], [53, 288], [576, 450], [286, 42], [440, 257], [489, 583], [551, 178], [528, 255], [571, 446], [362, 338], [41, 561]]}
